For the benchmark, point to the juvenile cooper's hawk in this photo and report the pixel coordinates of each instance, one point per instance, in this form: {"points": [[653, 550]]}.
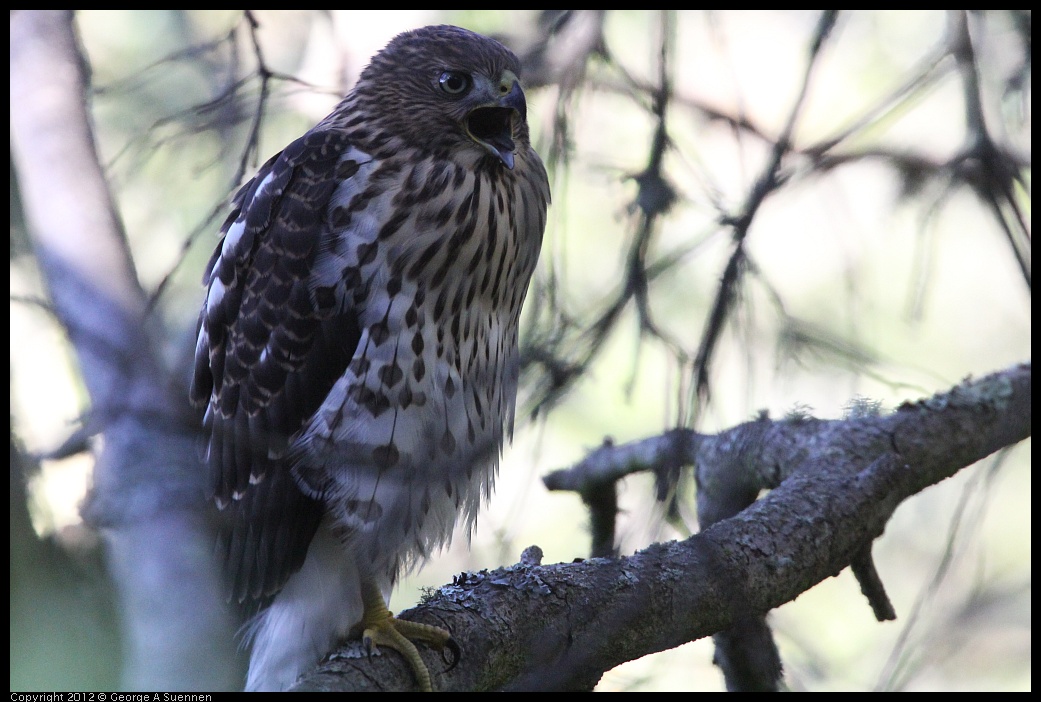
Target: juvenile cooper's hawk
{"points": [[357, 350]]}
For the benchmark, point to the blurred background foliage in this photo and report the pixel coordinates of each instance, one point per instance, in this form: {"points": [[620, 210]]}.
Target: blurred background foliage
{"points": [[888, 259]]}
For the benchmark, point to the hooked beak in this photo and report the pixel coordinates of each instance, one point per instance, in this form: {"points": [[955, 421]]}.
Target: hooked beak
{"points": [[491, 125]]}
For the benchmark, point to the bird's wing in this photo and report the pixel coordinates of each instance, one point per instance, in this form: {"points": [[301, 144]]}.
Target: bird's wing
{"points": [[269, 350]]}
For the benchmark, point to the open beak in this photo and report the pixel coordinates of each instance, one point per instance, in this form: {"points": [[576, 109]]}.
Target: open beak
{"points": [[492, 125]]}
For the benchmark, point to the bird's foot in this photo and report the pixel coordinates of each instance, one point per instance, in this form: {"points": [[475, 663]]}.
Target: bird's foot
{"points": [[381, 628]]}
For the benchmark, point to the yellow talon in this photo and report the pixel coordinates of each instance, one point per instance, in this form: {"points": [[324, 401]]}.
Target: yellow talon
{"points": [[381, 628]]}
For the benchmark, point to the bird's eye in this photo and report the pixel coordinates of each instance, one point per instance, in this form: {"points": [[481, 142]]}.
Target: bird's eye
{"points": [[454, 82]]}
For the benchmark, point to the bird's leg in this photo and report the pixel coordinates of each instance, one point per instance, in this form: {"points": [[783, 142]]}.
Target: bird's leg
{"points": [[381, 628]]}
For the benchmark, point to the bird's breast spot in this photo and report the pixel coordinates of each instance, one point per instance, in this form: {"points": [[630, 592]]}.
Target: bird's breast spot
{"points": [[366, 511]]}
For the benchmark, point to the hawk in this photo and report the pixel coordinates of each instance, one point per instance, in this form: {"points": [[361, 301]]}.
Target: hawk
{"points": [[357, 349]]}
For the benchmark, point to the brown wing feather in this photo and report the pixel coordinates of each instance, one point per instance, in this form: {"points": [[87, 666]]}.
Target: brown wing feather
{"points": [[267, 357]]}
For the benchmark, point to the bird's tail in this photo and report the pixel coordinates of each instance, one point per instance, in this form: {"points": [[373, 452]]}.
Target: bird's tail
{"points": [[310, 615]]}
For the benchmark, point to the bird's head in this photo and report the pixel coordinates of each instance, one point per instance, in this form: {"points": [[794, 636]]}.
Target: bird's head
{"points": [[444, 88], [488, 107]]}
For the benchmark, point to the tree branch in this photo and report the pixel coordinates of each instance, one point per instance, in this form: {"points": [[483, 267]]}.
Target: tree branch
{"points": [[147, 497], [837, 484]]}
